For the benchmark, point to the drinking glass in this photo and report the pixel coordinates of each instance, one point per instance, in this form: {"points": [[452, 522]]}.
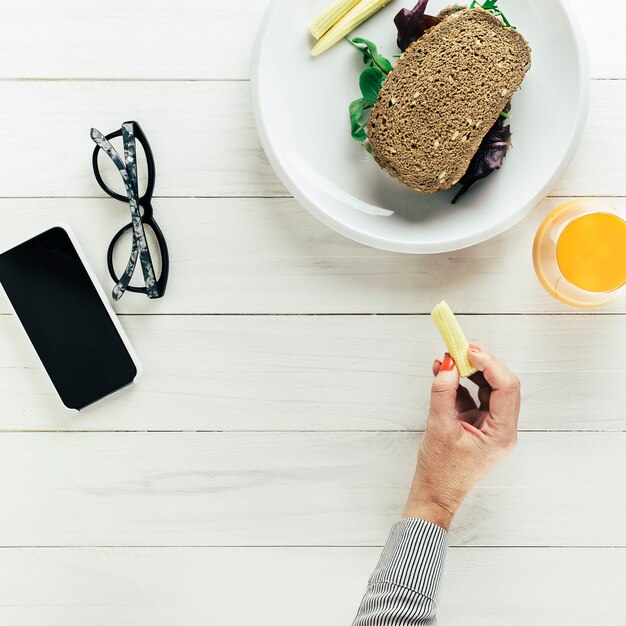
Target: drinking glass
{"points": [[579, 253]]}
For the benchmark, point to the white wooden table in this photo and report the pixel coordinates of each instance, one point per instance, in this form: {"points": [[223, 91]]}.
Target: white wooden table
{"points": [[253, 475]]}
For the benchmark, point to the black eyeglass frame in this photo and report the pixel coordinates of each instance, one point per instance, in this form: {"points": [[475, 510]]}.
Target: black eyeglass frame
{"points": [[145, 203]]}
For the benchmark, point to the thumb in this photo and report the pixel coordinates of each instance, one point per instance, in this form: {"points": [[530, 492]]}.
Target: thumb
{"points": [[444, 389]]}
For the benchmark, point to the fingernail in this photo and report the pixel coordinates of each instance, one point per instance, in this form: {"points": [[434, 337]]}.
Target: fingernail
{"points": [[474, 348], [447, 365]]}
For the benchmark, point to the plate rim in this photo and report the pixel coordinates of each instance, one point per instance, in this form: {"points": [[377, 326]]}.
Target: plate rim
{"points": [[418, 248]]}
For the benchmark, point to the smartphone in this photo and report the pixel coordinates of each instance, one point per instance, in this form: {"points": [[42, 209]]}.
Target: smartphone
{"points": [[67, 317]]}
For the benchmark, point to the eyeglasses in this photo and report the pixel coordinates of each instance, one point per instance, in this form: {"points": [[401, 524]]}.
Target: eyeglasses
{"points": [[154, 288]]}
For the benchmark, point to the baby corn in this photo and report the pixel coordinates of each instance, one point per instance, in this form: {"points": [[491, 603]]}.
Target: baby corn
{"points": [[454, 338], [346, 24], [331, 16]]}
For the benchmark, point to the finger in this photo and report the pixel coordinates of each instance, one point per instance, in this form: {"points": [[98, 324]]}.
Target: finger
{"points": [[493, 371], [444, 390], [464, 400], [436, 367], [504, 401]]}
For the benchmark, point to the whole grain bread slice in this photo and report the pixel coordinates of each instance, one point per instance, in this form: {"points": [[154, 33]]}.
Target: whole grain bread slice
{"points": [[443, 96]]}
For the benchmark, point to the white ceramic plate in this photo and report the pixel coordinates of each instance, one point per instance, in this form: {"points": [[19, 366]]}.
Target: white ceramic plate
{"points": [[301, 109]]}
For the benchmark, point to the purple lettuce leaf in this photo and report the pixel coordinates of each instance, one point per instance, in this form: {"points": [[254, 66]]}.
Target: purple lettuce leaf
{"points": [[413, 23], [489, 157]]}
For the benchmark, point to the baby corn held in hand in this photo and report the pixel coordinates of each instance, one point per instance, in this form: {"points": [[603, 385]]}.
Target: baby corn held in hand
{"points": [[331, 16], [346, 24], [454, 338]]}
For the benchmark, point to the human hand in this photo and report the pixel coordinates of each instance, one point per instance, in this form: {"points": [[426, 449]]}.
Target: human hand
{"points": [[463, 441]]}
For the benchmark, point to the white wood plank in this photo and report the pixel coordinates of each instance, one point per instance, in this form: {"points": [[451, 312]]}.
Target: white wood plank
{"points": [[202, 134], [595, 169], [204, 138], [320, 586], [144, 39], [271, 256], [194, 39], [302, 489], [540, 587], [325, 373]]}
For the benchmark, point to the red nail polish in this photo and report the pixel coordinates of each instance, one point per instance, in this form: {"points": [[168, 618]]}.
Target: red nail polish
{"points": [[474, 348], [447, 365]]}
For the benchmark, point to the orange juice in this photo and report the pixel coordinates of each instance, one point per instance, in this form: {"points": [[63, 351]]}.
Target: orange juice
{"points": [[579, 253], [591, 252]]}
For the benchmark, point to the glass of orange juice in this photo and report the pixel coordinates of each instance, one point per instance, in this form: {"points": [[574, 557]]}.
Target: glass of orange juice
{"points": [[580, 253]]}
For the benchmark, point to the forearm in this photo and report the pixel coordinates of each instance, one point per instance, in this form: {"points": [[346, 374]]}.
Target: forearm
{"points": [[403, 589]]}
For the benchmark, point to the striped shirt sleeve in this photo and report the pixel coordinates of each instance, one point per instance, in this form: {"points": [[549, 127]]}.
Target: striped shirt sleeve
{"points": [[403, 589]]}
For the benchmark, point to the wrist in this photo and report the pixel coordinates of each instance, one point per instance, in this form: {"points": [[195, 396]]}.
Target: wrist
{"points": [[432, 511], [435, 503]]}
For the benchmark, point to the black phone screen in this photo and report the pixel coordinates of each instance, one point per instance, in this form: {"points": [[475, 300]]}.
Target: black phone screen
{"points": [[65, 318]]}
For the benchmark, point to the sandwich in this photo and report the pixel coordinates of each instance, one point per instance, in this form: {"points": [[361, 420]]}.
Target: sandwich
{"points": [[439, 117]]}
